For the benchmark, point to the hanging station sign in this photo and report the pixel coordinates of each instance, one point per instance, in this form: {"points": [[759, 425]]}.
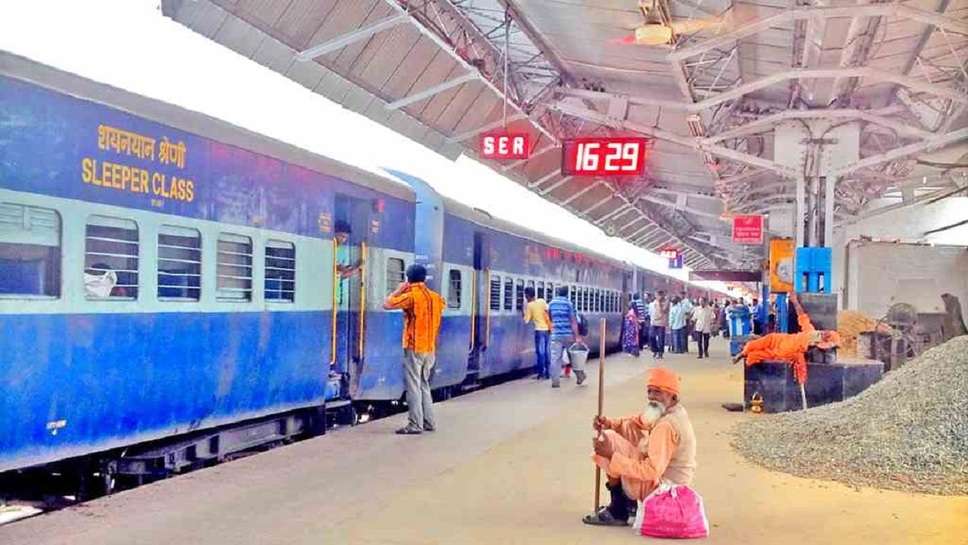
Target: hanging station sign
{"points": [[673, 255], [603, 156], [748, 229], [501, 145]]}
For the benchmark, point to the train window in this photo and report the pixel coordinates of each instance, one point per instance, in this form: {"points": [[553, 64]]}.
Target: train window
{"points": [[30, 254], [508, 293], [453, 289], [179, 263], [396, 273], [539, 290], [573, 296], [599, 301], [110, 258], [519, 295], [550, 291], [233, 280], [586, 299], [280, 283], [495, 293]]}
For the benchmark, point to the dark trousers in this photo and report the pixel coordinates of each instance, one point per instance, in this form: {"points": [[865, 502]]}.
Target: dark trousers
{"points": [[645, 334], [658, 340], [541, 353], [680, 340], [704, 345], [677, 335]]}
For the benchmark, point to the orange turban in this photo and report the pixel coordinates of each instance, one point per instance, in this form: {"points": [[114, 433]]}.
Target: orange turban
{"points": [[664, 379]]}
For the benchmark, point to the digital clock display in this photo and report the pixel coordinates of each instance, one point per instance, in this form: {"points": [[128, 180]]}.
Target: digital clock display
{"points": [[605, 156]]}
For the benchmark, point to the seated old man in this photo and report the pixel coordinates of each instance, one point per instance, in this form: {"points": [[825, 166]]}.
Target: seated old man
{"points": [[639, 452]]}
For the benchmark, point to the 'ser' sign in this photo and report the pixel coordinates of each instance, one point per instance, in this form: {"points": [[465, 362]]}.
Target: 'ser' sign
{"points": [[504, 145]]}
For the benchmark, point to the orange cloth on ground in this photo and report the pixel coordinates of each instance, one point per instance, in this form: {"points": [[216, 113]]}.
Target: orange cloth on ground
{"points": [[422, 308], [788, 347], [664, 379]]}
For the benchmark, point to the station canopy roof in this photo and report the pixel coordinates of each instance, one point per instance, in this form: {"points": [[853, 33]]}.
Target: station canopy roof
{"points": [[708, 81]]}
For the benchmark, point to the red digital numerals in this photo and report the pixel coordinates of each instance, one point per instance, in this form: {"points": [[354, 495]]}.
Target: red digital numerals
{"points": [[616, 156]]}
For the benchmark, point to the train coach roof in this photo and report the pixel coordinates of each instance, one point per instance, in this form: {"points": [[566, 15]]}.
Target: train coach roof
{"points": [[197, 123], [484, 218]]}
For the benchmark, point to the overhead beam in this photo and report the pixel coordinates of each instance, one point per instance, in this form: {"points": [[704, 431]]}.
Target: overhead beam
{"points": [[577, 195], [487, 127], [351, 37], [905, 151], [449, 49], [519, 162], [427, 93], [545, 178], [555, 185], [869, 10], [597, 204], [617, 213], [685, 141], [634, 234], [774, 79], [768, 121]]}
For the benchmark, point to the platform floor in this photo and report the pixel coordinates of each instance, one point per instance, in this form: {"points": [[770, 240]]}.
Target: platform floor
{"points": [[509, 465]]}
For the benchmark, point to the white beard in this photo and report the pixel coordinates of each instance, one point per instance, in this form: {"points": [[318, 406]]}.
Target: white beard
{"points": [[653, 412]]}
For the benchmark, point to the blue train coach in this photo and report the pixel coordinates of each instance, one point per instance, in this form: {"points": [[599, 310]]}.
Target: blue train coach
{"points": [[165, 276]]}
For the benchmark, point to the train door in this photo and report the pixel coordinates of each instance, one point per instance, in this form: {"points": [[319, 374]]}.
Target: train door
{"points": [[480, 315], [351, 272]]}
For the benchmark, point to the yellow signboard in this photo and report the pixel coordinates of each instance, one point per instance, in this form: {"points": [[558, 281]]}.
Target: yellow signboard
{"points": [[781, 265]]}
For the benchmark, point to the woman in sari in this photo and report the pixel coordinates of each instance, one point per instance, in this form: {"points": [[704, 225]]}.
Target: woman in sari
{"points": [[630, 332]]}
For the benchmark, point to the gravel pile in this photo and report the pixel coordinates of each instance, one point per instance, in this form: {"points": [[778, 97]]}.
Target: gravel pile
{"points": [[907, 432]]}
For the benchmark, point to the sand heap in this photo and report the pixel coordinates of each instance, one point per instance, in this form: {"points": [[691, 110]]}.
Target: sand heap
{"points": [[907, 432]]}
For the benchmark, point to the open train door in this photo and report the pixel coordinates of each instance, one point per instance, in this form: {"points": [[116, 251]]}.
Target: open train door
{"points": [[480, 314], [351, 276]]}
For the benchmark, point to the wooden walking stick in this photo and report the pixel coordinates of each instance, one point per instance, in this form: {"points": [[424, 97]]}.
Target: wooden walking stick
{"points": [[601, 398]]}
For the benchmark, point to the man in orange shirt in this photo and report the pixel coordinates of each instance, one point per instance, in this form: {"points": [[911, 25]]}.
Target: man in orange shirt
{"points": [[422, 308], [639, 452], [789, 347]]}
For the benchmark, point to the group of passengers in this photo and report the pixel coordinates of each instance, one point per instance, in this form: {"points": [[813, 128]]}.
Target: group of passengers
{"points": [[660, 322]]}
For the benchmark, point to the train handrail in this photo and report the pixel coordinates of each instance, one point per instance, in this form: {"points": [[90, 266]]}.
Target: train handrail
{"points": [[487, 312], [362, 319], [472, 341], [336, 284]]}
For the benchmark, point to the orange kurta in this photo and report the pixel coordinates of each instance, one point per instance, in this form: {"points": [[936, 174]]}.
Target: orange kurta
{"points": [[422, 308], [644, 456], [788, 347]]}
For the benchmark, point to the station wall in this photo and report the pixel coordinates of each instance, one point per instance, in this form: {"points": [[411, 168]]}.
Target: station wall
{"points": [[888, 259]]}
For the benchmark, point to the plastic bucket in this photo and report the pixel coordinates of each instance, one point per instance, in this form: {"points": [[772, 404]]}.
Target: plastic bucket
{"points": [[578, 354]]}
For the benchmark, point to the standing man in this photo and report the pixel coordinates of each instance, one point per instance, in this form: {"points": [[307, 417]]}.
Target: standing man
{"points": [[705, 318], [757, 323], [422, 308], [536, 312], [677, 324], [687, 308], [659, 313], [345, 266], [564, 331]]}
